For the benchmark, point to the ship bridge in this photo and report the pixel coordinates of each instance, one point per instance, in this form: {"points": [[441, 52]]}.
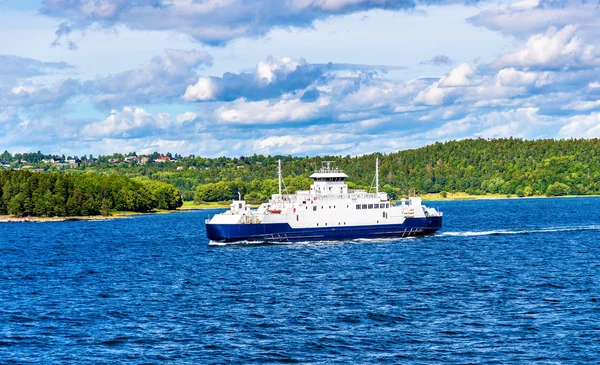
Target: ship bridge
{"points": [[327, 180]]}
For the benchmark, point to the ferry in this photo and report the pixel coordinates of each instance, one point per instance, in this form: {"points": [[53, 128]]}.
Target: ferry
{"points": [[328, 211]]}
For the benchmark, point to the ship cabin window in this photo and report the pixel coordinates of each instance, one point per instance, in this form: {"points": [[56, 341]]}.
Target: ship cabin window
{"points": [[387, 205], [297, 218], [330, 207], [325, 223], [364, 206], [357, 206], [314, 207], [383, 214], [376, 206], [240, 205], [304, 202], [370, 206], [321, 207]]}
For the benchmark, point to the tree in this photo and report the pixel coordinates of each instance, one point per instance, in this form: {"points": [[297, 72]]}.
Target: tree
{"points": [[557, 189]]}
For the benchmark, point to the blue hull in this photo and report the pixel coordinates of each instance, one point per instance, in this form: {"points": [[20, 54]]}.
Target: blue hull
{"points": [[283, 232]]}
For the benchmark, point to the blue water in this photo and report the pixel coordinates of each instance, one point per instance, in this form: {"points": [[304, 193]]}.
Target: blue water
{"points": [[505, 282]]}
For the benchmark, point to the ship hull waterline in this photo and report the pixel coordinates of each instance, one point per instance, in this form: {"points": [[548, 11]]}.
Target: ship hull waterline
{"points": [[283, 232]]}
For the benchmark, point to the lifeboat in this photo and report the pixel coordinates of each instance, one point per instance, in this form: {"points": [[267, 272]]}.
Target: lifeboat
{"points": [[274, 211]]}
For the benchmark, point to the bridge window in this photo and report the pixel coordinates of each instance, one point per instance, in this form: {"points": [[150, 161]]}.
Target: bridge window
{"points": [[370, 206], [387, 205], [376, 206], [314, 208], [364, 206], [357, 206]]}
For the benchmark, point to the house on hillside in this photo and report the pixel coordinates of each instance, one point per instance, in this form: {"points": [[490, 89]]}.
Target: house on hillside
{"points": [[132, 159], [163, 159]]}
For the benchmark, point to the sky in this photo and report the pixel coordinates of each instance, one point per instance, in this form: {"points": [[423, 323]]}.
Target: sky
{"points": [[294, 77]]}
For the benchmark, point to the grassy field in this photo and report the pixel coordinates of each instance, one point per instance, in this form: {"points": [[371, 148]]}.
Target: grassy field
{"points": [[464, 196], [205, 205]]}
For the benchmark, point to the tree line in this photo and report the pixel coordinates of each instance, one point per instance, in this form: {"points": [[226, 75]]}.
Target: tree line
{"points": [[508, 166], [25, 193]]}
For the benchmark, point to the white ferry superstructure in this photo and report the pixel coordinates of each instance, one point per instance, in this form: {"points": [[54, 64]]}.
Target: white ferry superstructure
{"points": [[328, 211]]}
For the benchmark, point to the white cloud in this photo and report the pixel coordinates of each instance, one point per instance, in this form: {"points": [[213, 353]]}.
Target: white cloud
{"points": [[525, 18], [582, 126], [127, 123], [186, 117], [205, 89], [458, 76], [594, 85], [268, 70], [512, 77], [582, 105], [553, 49], [24, 89], [267, 112]]}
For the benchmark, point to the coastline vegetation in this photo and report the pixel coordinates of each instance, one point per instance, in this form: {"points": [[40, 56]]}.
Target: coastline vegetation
{"points": [[473, 167], [30, 194]]}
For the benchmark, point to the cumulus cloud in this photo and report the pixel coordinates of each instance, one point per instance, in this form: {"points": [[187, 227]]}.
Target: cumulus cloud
{"points": [[582, 126], [555, 49], [213, 22], [162, 79], [288, 110], [135, 122], [271, 78]]}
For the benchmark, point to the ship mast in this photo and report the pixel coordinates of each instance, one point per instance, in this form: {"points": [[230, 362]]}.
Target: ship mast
{"points": [[279, 175], [377, 175]]}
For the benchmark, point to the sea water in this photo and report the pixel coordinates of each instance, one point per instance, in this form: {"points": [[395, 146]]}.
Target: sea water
{"points": [[505, 282]]}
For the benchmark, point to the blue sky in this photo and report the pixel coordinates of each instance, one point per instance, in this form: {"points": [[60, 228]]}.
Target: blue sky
{"points": [[300, 77]]}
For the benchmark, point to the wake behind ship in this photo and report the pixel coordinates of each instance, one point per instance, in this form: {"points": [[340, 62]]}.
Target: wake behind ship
{"points": [[328, 211]]}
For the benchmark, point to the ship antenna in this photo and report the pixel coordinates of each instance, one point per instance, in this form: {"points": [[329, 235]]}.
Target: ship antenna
{"points": [[279, 175], [377, 175]]}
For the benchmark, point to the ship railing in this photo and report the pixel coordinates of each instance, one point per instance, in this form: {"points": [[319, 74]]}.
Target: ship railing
{"points": [[300, 198]]}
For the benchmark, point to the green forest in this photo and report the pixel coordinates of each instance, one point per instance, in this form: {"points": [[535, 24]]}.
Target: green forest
{"points": [[25, 193], [477, 166]]}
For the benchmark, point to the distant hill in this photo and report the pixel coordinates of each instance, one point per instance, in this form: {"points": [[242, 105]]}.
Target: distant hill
{"points": [[477, 166]]}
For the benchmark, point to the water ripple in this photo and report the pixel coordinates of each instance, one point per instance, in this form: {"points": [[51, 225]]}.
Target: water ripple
{"points": [[505, 282]]}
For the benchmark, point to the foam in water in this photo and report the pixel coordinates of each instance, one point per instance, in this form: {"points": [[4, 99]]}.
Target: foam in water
{"points": [[527, 231]]}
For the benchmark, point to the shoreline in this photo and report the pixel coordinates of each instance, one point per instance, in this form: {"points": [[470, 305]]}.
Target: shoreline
{"points": [[190, 207]]}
